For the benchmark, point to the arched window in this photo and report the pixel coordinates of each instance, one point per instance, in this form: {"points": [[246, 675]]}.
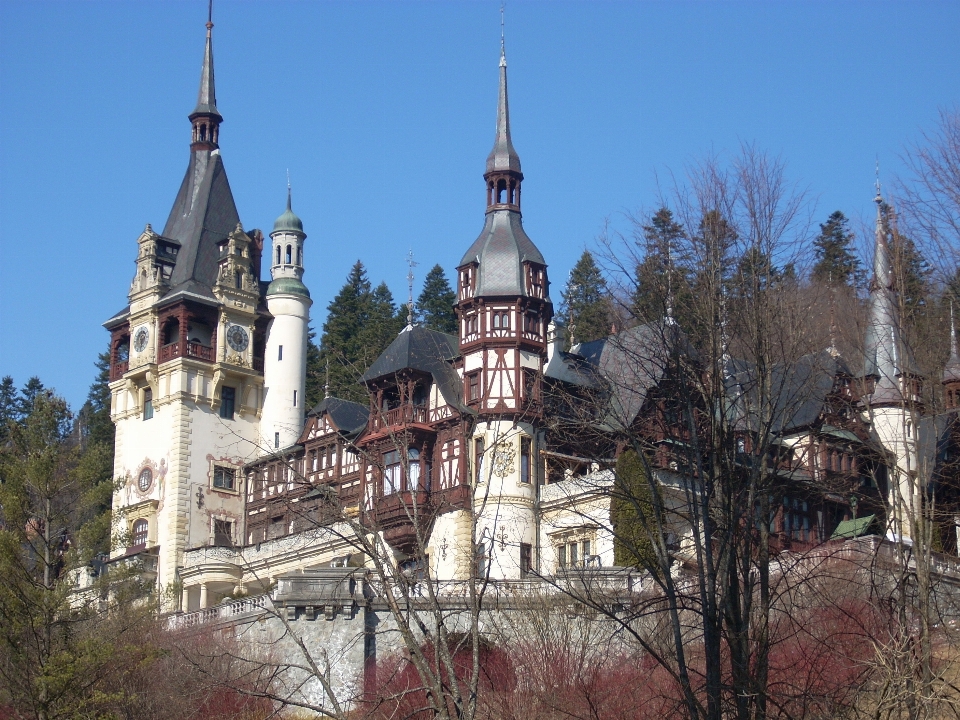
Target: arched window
{"points": [[278, 256], [289, 255], [139, 532], [238, 279], [501, 190]]}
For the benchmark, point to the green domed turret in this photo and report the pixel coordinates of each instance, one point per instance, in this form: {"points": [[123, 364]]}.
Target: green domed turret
{"points": [[287, 286], [288, 222]]}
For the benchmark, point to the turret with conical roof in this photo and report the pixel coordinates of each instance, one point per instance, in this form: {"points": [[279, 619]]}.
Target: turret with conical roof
{"points": [[503, 261], [887, 359], [951, 371]]}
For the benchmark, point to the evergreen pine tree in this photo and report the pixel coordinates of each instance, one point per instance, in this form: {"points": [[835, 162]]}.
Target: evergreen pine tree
{"points": [[435, 305], [8, 405], [657, 275], [95, 422], [316, 371], [585, 307], [360, 324], [384, 321], [836, 263], [28, 394], [340, 343]]}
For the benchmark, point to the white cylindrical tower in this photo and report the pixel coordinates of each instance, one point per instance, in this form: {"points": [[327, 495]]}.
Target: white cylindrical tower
{"points": [[285, 355], [504, 496]]}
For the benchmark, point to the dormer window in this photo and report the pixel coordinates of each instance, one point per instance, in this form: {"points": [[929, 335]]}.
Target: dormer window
{"points": [[467, 276], [536, 281]]}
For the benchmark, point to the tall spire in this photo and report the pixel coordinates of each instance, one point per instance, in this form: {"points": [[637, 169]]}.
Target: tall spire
{"points": [[205, 117], [886, 358], [951, 372], [503, 158]]}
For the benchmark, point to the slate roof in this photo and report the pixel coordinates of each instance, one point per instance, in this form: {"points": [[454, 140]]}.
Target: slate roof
{"points": [[631, 362], [349, 416], [203, 214], [429, 351], [503, 156], [500, 250]]}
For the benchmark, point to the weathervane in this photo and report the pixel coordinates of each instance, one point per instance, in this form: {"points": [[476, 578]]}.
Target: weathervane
{"points": [[411, 264]]}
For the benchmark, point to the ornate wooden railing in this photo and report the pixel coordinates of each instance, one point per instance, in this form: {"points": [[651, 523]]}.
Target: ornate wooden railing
{"points": [[119, 369], [402, 415], [191, 350]]}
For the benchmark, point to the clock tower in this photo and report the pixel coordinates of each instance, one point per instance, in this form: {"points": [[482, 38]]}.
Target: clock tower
{"points": [[186, 361]]}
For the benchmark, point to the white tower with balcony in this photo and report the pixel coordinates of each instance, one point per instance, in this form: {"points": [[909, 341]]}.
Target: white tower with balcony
{"points": [[285, 355]]}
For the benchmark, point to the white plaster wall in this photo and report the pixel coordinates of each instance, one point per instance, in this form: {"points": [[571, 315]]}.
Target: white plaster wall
{"points": [[284, 377], [505, 506]]}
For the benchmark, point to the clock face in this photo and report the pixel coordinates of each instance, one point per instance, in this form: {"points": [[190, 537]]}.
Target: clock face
{"points": [[145, 479], [237, 338], [140, 339]]}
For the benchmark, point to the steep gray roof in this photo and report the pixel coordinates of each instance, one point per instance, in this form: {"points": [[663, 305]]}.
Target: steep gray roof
{"points": [[500, 250], [203, 214], [503, 156], [951, 371], [207, 97], [429, 351], [630, 362], [886, 356], [349, 416]]}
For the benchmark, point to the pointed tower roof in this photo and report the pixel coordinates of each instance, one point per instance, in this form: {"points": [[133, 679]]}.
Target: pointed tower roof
{"points": [[951, 371], [207, 98], [204, 212], [503, 156], [502, 247], [288, 221], [886, 356]]}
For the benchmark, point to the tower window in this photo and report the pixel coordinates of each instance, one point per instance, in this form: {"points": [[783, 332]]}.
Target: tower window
{"points": [[482, 565], [278, 255], [222, 533], [280, 352], [525, 460], [228, 396], [289, 255], [276, 439], [238, 279], [391, 472], [294, 398], [148, 404], [224, 477], [478, 458], [526, 559], [139, 532]]}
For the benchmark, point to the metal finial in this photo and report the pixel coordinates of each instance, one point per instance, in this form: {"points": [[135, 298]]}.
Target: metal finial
{"points": [[411, 264], [326, 382], [289, 193], [953, 332], [503, 52], [878, 180], [209, 17]]}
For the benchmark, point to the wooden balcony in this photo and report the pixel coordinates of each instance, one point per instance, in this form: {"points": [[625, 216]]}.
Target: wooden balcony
{"points": [[399, 508], [119, 369], [398, 417], [190, 350]]}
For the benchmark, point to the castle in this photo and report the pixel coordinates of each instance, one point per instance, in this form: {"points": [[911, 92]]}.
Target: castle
{"points": [[230, 482]]}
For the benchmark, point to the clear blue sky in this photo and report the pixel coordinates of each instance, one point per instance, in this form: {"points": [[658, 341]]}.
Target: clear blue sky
{"points": [[384, 114]]}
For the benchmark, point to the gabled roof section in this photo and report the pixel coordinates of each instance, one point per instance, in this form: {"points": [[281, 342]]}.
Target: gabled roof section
{"points": [[203, 214], [348, 416], [428, 351]]}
